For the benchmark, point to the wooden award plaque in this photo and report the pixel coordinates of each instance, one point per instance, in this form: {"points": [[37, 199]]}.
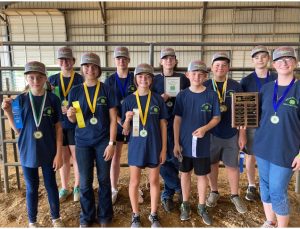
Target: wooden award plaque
{"points": [[245, 109]]}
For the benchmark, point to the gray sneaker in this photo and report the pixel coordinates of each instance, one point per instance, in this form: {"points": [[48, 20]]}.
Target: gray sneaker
{"points": [[135, 220], [58, 223], [239, 204], [251, 193], [185, 211], [33, 225], [202, 211], [167, 204], [154, 220], [269, 224], [212, 199]]}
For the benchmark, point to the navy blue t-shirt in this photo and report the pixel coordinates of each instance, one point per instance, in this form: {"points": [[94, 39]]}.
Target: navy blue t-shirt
{"points": [[92, 135], [279, 143], [196, 110], [111, 81], [38, 152], [145, 151], [224, 129], [55, 81], [249, 83]]}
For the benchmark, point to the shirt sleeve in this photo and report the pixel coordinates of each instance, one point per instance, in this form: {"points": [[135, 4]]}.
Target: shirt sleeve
{"points": [[112, 98], [216, 105], [163, 109], [178, 108], [57, 116]]}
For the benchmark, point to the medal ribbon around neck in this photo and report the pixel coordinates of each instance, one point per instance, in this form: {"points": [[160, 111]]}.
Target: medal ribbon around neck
{"points": [[258, 81], [145, 115], [63, 88], [88, 99], [37, 117], [276, 103], [216, 89], [122, 88]]}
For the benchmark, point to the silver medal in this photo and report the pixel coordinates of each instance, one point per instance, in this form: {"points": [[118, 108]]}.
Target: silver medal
{"points": [[93, 121], [274, 119], [37, 134], [170, 104], [143, 133]]}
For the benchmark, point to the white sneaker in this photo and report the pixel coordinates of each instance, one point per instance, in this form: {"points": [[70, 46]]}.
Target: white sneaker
{"points": [[141, 199], [33, 225], [114, 195]]}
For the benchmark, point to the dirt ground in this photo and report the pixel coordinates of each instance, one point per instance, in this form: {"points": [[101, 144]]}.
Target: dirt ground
{"points": [[13, 206]]}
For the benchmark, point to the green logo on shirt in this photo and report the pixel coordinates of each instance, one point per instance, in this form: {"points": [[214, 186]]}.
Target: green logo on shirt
{"points": [[292, 102], [154, 110], [132, 88], [48, 111], [101, 100], [206, 107]]}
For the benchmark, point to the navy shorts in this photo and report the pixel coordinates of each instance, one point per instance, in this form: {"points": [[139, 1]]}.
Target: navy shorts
{"points": [[68, 137]]}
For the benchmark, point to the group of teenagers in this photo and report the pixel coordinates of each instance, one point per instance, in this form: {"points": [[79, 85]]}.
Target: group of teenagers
{"points": [[81, 118]]}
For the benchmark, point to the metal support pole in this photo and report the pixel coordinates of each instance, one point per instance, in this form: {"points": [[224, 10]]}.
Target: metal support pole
{"points": [[151, 54]]}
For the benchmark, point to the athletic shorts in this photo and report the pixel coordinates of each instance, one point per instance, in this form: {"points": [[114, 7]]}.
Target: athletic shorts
{"points": [[68, 137], [201, 166], [250, 140], [226, 150]]}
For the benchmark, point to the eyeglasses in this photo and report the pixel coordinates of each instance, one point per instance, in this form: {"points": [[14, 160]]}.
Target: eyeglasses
{"points": [[286, 60]]}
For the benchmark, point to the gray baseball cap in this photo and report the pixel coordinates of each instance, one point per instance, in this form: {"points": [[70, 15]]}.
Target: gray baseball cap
{"points": [[121, 51], [65, 53], [143, 68], [90, 58], [35, 66], [220, 56], [284, 51], [257, 49], [197, 65], [167, 52]]}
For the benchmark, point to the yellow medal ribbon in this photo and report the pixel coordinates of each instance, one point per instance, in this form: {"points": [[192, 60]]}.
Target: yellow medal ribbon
{"points": [[88, 99], [145, 115], [63, 88], [223, 96]]}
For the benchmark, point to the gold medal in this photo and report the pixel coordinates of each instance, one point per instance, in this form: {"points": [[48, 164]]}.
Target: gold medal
{"points": [[274, 119], [37, 134], [143, 133], [223, 108], [64, 103]]}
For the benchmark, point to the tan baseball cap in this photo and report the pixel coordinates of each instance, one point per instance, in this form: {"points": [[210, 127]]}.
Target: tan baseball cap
{"points": [[284, 51], [121, 51], [220, 56], [65, 53], [35, 66], [257, 49], [143, 68], [90, 58], [167, 52], [197, 65]]}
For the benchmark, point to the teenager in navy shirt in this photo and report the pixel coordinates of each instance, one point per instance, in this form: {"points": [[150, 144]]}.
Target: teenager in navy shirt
{"points": [[40, 139], [169, 170], [225, 140], [95, 141], [63, 82], [121, 82], [196, 113], [253, 83], [277, 139], [144, 116]]}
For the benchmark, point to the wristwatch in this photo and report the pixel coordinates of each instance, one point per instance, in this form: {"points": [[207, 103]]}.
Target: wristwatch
{"points": [[112, 143]]}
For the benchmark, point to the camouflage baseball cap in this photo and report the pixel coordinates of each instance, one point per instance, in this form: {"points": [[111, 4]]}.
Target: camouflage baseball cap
{"points": [[220, 56], [143, 68], [121, 51], [197, 65], [284, 51], [257, 49], [167, 52], [64, 53], [90, 58], [35, 66]]}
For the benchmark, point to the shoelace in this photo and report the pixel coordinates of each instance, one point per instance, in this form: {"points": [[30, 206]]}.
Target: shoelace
{"points": [[154, 218], [135, 219]]}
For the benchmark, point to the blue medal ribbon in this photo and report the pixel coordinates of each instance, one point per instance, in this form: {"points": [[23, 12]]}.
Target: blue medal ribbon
{"points": [[258, 81], [242, 156], [276, 103], [16, 109], [122, 88]]}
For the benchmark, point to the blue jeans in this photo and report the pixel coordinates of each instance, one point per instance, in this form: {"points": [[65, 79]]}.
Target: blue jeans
{"points": [[169, 171], [274, 181], [86, 156], [31, 176]]}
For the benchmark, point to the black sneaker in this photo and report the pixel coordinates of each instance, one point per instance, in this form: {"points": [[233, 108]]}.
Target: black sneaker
{"points": [[135, 220], [251, 193], [202, 211], [167, 204]]}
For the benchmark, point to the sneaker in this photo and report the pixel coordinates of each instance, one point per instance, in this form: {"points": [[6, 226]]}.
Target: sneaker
{"points": [[58, 223], [251, 193], [63, 194], [114, 195], [154, 220], [202, 211], [167, 204], [76, 194], [269, 224], [135, 220], [185, 211], [239, 204], [33, 225], [141, 199], [212, 199]]}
